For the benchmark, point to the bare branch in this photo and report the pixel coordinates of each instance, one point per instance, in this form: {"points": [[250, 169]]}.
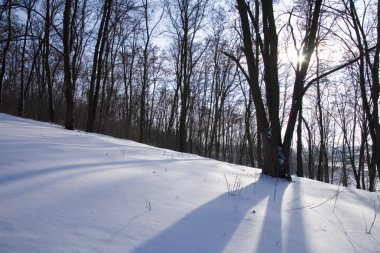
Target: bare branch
{"points": [[327, 73], [233, 58]]}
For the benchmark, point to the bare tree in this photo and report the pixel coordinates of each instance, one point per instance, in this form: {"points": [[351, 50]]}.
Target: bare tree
{"points": [[186, 18], [69, 120], [21, 102], [369, 61], [48, 14], [276, 152], [147, 43], [96, 74]]}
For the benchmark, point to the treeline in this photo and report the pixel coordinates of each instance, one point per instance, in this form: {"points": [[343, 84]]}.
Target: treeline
{"points": [[287, 88]]}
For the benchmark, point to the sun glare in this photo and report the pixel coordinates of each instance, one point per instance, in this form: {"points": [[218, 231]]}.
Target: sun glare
{"points": [[300, 58], [291, 55]]}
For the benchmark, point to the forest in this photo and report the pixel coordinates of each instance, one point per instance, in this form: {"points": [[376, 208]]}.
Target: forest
{"points": [[291, 87]]}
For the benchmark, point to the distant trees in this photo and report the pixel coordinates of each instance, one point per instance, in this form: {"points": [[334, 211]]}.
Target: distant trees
{"points": [[49, 14], [368, 73], [186, 18], [7, 8], [147, 37], [97, 64], [289, 88]]}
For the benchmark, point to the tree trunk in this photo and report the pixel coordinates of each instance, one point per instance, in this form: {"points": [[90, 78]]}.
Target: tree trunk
{"points": [[21, 102], [144, 80], [307, 51], [248, 132], [5, 51], [268, 123], [185, 94], [364, 136], [310, 167], [299, 146], [69, 119], [47, 65], [344, 167], [96, 73]]}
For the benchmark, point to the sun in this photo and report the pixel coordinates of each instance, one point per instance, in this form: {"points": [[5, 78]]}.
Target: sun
{"points": [[291, 55], [300, 58], [294, 56]]}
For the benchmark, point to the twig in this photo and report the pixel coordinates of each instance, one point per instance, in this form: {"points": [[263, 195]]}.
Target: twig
{"points": [[365, 222], [235, 189], [374, 218], [336, 199], [301, 207], [326, 200], [148, 206]]}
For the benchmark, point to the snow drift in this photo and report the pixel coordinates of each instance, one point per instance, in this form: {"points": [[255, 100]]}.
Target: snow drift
{"points": [[69, 191]]}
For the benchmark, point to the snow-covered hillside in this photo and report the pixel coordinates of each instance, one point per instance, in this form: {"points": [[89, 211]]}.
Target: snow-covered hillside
{"points": [[69, 191]]}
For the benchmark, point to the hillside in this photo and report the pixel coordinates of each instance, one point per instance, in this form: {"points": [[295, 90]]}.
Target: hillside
{"points": [[69, 191]]}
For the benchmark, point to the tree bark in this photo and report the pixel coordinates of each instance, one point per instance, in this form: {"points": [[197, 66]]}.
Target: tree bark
{"points": [[69, 119]]}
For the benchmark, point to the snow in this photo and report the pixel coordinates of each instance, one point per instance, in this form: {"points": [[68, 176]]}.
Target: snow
{"points": [[70, 191]]}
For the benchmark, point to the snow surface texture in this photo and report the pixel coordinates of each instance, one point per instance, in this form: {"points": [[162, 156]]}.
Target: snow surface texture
{"points": [[69, 191]]}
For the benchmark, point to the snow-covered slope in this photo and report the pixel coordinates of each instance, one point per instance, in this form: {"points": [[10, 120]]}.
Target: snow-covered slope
{"points": [[69, 191]]}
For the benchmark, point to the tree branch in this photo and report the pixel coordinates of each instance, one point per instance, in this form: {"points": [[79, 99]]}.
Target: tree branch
{"points": [[233, 58], [335, 69]]}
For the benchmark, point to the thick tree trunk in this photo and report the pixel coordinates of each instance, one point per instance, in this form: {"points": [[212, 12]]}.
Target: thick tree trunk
{"points": [[268, 123]]}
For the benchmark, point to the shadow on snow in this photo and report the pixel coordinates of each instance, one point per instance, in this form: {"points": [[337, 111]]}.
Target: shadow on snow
{"points": [[210, 227]]}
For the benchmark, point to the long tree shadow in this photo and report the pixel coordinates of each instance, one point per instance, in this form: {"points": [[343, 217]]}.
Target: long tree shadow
{"points": [[207, 229], [210, 227], [294, 212], [283, 228]]}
